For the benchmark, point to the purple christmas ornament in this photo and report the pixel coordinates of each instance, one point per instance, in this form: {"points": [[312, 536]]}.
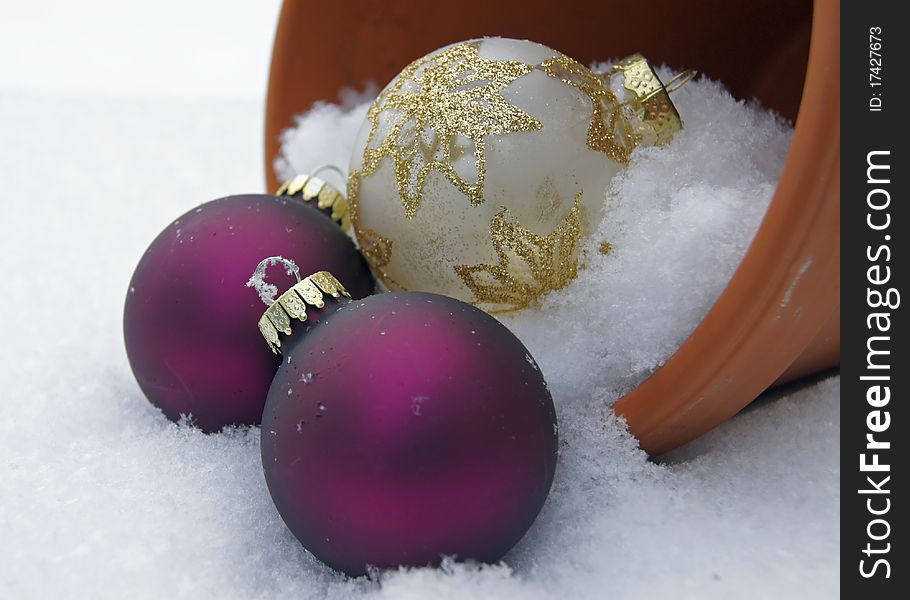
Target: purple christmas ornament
{"points": [[189, 321], [405, 427]]}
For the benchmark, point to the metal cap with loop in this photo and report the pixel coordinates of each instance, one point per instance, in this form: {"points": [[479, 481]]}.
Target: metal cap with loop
{"points": [[293, 303], [645, 100], [328, 198]]}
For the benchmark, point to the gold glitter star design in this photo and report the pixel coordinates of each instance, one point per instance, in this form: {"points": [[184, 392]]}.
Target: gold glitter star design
{"points": [[544, 263], [375, 248], [609, 132], [439, 108]]}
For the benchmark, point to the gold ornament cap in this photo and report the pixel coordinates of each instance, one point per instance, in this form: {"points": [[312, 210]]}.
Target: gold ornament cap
{"points": [[292, 304], [647, 100], [326, 196]]}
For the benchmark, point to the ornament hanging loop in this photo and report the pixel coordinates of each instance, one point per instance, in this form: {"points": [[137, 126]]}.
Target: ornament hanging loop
{"points": [[680, 79], [267, 291], [335, 169]]}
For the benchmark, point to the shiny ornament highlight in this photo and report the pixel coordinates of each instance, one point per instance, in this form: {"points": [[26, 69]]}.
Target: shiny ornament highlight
{"points": [[483, 164], [404, 427]]}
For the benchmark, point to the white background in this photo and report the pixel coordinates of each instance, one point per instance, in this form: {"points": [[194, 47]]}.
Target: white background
{"points": [[158, 48]]}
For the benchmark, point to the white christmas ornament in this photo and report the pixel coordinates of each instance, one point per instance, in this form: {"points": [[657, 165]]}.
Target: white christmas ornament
{"points": [[481, 166]]}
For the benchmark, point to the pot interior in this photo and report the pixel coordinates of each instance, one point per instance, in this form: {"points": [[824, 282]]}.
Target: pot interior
{"points": [[757, 49]]}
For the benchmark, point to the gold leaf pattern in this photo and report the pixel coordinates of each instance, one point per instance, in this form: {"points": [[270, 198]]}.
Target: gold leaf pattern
{"points": [[545, 263], [609, 131], [375, 248], [435, 104]]}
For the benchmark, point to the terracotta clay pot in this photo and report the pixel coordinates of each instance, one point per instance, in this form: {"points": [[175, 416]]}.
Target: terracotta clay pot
{"points": [[778, 318]]}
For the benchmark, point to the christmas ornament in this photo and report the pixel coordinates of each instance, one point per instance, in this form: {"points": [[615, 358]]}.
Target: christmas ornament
{"points": [[404, 427], [481, 166], [319, 194], [187, 318]]}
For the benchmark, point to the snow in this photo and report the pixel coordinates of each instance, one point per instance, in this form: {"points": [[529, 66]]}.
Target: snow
{"points": [[102, 497]]}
